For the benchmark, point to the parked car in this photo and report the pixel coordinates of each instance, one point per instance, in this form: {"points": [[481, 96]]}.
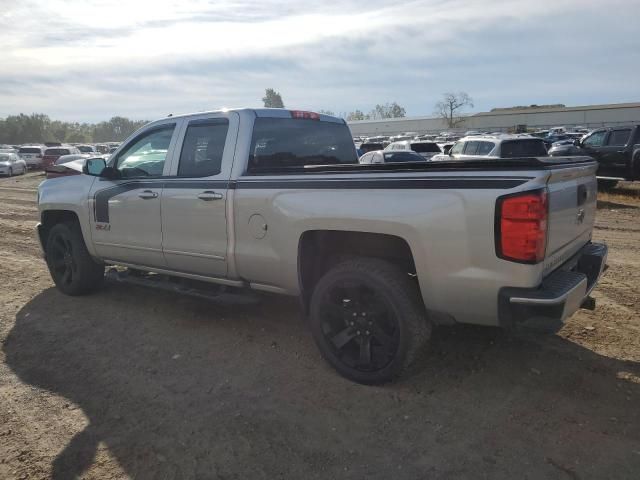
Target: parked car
{"points": [[275, 200], [32, 155], [52, 154], [67, 165], [616, 149], [396, 156], [495, 146], [11, 164], [90, 149], [369, 147], [426, 149]]}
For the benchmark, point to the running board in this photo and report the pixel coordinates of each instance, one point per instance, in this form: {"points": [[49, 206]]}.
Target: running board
{"points": [[221, 294]]}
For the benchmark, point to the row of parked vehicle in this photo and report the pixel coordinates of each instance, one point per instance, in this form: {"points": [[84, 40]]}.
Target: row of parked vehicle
{"points": [[17, 159], [617, 149]]}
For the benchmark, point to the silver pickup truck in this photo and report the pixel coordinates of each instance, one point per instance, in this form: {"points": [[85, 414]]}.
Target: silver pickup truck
{"points": [[275, 200]]}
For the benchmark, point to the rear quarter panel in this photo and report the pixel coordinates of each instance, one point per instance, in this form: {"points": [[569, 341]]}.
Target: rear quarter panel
{"points": [[450, 232]]}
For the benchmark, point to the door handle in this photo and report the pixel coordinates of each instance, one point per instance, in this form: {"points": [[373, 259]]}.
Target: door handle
{"points": [[147, 194], [208, 195]]}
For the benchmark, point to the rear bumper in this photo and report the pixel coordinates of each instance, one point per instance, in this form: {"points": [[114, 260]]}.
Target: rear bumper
{"points": [[559, 296]]}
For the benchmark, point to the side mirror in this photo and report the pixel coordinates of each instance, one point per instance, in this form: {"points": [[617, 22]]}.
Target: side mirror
{"points": [[94, 167]]}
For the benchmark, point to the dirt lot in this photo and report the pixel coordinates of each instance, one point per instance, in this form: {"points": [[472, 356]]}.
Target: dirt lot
{"points": [[134, 383]]}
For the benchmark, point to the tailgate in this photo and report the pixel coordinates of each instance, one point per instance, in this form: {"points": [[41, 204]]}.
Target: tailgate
{"points": [[572, 210]]}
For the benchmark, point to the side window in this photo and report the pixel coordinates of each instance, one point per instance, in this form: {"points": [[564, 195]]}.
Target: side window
{"points": [[484, 148], [471, 148], [596, 139], [619, 137], [457, 148], [145, 155], [202, 149]]}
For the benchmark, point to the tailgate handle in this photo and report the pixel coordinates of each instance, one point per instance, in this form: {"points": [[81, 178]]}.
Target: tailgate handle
{"points": [[582, 194]]}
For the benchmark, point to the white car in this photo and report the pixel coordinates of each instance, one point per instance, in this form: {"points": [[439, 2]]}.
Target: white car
{"points": [[424, 149], [398, 156], [11, 163], [495, 146], [32, 155]]}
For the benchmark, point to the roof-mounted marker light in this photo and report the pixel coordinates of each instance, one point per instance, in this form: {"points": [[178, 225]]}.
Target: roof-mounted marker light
{"points": [[300, 114]]}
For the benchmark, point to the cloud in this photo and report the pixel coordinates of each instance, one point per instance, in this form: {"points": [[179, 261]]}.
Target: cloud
{"points": [[90, 60]]}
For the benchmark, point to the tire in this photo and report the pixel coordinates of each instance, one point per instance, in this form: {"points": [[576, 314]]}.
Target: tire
{"points": [[10, 174], [604, 185], [72, 269], [368, 309]]}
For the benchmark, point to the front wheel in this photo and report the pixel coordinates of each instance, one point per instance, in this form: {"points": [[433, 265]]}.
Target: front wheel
{"points": [[72, 269], [10, 174], [368, 320]]}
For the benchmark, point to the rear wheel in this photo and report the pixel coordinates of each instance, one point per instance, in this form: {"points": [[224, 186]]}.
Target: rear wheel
{"points": [[72, 268], [368, 320]]}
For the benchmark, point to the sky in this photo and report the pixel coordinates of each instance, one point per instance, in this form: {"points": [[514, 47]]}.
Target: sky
{"points": [[89, 60]]}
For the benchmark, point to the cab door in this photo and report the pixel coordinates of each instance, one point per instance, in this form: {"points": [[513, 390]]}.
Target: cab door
{"points": [[613, 154], [125, 221], [194, 198]]}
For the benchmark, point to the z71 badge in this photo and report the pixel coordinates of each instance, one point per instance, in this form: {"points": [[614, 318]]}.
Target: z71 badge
{"points": [[103, 226]]}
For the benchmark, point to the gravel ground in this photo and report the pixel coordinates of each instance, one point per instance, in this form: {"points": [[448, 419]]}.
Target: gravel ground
{"points": [[136, 383]]}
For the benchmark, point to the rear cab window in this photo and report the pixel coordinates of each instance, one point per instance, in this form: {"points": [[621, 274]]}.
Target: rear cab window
{"points": [[425, 147], [288, 143], [29, 150]]}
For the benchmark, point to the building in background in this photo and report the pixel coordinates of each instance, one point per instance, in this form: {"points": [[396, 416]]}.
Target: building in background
{"points": [[508, 119]]}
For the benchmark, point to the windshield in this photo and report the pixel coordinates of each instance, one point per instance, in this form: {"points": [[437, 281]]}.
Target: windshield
{"points": [[523, 148], [288, 142]]}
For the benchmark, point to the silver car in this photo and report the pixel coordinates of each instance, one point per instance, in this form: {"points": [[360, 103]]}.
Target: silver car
{"points": [[11, 163], [32, 155]]}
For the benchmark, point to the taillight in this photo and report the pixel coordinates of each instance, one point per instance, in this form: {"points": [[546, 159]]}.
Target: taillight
{"points": [[305, 115], [521, 226]]}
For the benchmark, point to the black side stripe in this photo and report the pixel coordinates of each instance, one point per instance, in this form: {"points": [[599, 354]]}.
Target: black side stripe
{"points": [[102, 197]]}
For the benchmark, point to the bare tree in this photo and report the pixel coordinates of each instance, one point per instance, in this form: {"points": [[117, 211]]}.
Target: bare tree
{"points": [[272, 99], [450, 107]]}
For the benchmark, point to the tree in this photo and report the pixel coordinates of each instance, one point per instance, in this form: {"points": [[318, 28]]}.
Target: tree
{"points": [[272, 99], [388, 110], [450, 107], [356, 115]]}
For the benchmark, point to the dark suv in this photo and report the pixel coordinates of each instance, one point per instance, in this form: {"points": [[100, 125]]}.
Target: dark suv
{"points": [[616, 149]]}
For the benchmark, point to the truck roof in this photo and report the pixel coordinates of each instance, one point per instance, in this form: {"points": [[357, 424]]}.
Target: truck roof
{"points": [[259, 112]]}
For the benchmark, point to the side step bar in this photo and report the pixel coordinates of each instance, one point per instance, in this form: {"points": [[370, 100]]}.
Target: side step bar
{"points": [[218, 293]]}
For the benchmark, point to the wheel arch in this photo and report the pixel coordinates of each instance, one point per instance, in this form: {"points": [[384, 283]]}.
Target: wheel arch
{"points": [[319, 250], [49, 218]]}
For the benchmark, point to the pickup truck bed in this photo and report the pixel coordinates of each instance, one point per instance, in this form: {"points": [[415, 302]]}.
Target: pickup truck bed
{"points": [[275, 200]]}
